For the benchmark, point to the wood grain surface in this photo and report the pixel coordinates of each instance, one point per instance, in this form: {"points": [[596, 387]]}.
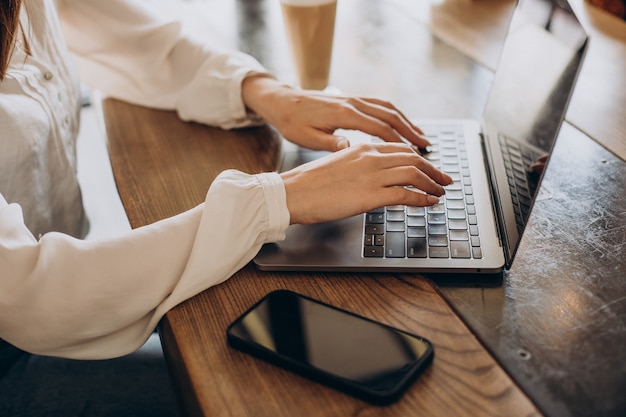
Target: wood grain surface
{"points": [[463, 380]]}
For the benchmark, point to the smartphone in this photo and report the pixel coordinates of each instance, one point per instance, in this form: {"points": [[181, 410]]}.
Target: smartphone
{"points": [[350, 353]]}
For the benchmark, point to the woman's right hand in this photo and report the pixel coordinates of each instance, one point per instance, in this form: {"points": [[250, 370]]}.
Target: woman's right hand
{"points": [[361, 178]]}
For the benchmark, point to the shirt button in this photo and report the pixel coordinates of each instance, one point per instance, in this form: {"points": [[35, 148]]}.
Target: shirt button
{"points": [[47, 75]]}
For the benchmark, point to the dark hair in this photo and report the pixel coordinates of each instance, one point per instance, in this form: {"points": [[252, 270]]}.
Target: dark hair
{"points": [[9, 25]]}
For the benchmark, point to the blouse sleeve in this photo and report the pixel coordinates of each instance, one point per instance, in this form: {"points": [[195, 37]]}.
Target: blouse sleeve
{"points": [[127, 51], [65, 297]]}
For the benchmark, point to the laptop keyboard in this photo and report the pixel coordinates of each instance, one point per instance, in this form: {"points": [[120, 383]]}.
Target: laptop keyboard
{"points": [[448, 229]]}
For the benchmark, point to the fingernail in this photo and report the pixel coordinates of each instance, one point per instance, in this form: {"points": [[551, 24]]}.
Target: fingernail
{"points": [[425, 150], [342, 143], [432, 199]]}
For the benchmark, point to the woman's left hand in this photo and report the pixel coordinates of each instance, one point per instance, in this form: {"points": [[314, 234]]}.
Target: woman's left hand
{"points": [[310, 118]]}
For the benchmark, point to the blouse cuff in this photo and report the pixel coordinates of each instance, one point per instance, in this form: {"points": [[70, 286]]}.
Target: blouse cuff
{"points": [[276, 198]]}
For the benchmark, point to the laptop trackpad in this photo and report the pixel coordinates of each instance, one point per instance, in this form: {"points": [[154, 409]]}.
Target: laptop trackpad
{"points": [[322, 245]]}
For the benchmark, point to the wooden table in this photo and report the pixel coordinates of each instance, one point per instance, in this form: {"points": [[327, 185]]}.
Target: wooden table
{"points": [[548, 325], [164, 166]]}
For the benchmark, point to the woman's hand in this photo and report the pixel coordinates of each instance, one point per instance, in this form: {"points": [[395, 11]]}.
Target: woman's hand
{"points": [[310, 118], [539, 166], [359, 179]]}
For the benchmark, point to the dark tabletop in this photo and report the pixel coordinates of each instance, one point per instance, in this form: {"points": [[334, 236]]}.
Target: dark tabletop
{"points": [[558, 321]]}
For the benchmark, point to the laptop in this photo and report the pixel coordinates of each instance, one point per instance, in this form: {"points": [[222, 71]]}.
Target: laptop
{"points": [[477, 225]]}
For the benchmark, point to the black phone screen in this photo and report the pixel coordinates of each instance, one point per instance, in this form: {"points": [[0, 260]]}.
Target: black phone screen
{"points": [[359, 356]]}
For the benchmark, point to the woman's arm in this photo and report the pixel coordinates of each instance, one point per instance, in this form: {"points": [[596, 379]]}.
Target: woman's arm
{"points": [[98, 299], [82, 299], [129, 52]]}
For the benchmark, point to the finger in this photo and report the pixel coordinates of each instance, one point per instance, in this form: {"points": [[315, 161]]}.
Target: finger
{"points": [[414, 177], [390, 106], [402, 155], [322, 141], [537, 167], [404, 196], [393, 118], [351, 118], [318, 140], [393, 147]]}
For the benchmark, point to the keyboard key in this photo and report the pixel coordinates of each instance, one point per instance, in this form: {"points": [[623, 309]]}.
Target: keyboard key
{"points": [[454, 195], [394, 247], [437, 208], [373, 252], [455, 186], [459, 249], [455, 204], [437, 229], [395, 227], [374, 218], [416, 247], [459, 235], [438, 252], [455, 176], [416, 221], [457, 225], [415, 211], [523, 199], [456, 214], [477, 253], [379, 240], [513, 149], [437, 240], [475, 240], [436, 218], [395, 216], [368, 240], [416, 232], [450, 168], [374, 229]]}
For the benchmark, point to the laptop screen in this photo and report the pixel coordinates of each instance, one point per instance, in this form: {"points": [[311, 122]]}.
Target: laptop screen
{"points": [[540, 61]]}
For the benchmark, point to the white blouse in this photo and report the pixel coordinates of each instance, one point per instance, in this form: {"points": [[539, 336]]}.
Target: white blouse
{"points": [[98, 299]]}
